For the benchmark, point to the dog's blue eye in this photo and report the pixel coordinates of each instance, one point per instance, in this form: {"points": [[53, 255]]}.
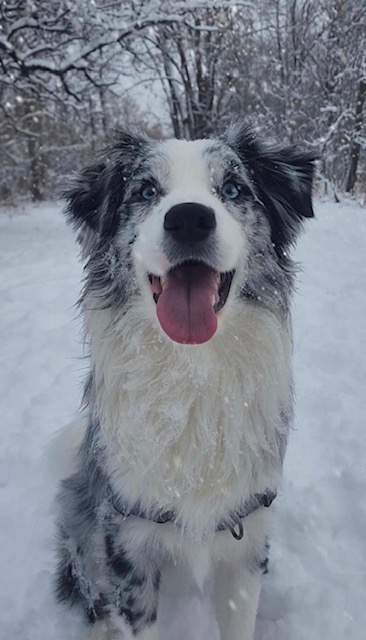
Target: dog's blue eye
{"points": [[230, 190], [148, 192]]}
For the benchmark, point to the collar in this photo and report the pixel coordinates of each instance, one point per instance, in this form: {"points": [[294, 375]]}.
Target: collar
{"points": [[233, 519]]}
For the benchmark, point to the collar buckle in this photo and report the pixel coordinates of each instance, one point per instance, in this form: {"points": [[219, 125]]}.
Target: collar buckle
{"points": [[239, 535]]}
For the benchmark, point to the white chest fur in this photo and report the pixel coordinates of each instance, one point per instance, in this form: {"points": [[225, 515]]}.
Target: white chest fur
{"points": [[196, 429]]}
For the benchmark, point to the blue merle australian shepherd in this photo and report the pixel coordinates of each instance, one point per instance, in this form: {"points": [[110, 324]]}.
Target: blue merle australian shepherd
{"points": [[188, 280]]}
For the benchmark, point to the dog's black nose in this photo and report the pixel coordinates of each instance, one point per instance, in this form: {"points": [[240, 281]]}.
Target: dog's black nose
{"points": [[189, 222]]}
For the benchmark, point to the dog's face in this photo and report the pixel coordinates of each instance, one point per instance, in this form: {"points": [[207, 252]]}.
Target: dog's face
{"points": [[191, 228]]}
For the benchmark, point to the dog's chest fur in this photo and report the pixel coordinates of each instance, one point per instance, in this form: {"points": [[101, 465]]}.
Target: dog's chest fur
{"points": [[197, 430]]}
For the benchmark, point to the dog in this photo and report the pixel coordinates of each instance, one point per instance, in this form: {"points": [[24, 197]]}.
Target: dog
{"points": [[163, 524]]}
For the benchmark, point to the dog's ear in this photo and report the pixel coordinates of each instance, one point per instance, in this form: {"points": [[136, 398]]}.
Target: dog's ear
{"points": [[85, 194], [95, 194], [282, 178]]}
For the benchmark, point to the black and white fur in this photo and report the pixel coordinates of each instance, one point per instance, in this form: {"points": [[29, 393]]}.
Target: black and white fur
{"points": [[195, 429]]}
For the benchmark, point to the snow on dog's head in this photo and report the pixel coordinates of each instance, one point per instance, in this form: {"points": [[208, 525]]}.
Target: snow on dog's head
{"points": [[190, 228]]}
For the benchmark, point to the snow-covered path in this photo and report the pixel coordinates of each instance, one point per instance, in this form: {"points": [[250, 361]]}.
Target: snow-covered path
{"points": [[317, 583]]}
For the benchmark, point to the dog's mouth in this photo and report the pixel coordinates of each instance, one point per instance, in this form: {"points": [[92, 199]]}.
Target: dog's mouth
{"points": [[188, 298]]}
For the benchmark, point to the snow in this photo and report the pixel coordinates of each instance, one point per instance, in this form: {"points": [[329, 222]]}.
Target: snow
{"points": [[317, 581]]}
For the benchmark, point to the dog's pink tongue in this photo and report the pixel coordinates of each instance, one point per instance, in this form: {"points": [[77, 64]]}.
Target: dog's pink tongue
{"points": [[185, 306]]}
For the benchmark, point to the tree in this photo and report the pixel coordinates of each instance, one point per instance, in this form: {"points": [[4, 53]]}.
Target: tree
{"points": [[296, 68], [61, 63]]}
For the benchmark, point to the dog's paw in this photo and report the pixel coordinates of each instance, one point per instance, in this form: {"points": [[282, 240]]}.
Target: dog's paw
{"points": [[111, 629]]}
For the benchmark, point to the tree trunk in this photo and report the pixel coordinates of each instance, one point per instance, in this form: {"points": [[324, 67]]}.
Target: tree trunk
{"points": [[355, 144], [37, 157]]}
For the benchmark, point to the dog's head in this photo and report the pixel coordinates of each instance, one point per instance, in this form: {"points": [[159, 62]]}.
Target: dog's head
{"points": [[190, 227]]}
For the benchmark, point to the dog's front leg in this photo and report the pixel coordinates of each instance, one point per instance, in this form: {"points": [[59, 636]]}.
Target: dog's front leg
{"points": [[186, 610], [238, 576], [237, 595]]}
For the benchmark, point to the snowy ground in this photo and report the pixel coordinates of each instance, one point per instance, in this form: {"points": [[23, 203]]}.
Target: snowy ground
{"points": [[317, 582]]}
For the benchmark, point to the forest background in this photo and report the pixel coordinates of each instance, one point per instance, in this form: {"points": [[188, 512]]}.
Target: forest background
{"points": [[72, 70]]}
